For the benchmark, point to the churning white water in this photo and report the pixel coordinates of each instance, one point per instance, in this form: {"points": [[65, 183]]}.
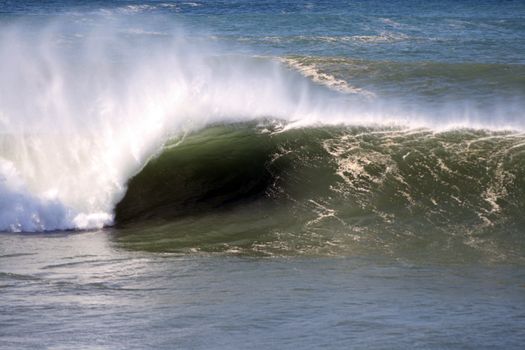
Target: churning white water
{"points": [[80, 112]]}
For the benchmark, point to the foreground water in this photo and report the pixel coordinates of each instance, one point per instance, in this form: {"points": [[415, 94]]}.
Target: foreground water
{"points": [[85, 291], [262, 174]]}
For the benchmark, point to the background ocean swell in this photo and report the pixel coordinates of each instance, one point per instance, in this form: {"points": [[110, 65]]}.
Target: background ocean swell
{"points": [[87, 100]]}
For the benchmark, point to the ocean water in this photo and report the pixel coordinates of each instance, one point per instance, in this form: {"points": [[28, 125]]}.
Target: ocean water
{"points": [[262, 174]]}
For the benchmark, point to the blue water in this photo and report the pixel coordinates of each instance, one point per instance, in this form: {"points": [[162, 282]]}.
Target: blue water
{"points": [[390, 235], [443, 31]]}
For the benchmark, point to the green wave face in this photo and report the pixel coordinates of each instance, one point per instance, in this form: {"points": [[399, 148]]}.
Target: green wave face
{"points": [[254, 189]]}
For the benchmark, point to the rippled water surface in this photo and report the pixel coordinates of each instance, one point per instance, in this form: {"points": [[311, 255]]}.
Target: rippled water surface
{"points": [[86, 291]]}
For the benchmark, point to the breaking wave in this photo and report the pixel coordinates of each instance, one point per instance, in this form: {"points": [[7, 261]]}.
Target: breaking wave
{"points": [[86, 107]]}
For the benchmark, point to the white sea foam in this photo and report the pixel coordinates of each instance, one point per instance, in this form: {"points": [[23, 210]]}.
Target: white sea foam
{"points": [[383, 37], [145, 8]]}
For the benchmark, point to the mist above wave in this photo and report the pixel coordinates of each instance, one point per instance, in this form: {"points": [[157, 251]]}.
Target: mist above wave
{"points": [[83, 108]]}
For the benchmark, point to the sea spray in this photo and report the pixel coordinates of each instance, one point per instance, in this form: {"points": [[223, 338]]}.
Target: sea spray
{"points": [[81, 111]]}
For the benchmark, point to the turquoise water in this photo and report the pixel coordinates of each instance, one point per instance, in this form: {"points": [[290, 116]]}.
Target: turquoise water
{"points": [[262, 174]]}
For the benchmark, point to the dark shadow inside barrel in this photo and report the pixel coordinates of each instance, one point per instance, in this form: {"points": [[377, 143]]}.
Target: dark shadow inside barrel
{"points": [[218, 167]]}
